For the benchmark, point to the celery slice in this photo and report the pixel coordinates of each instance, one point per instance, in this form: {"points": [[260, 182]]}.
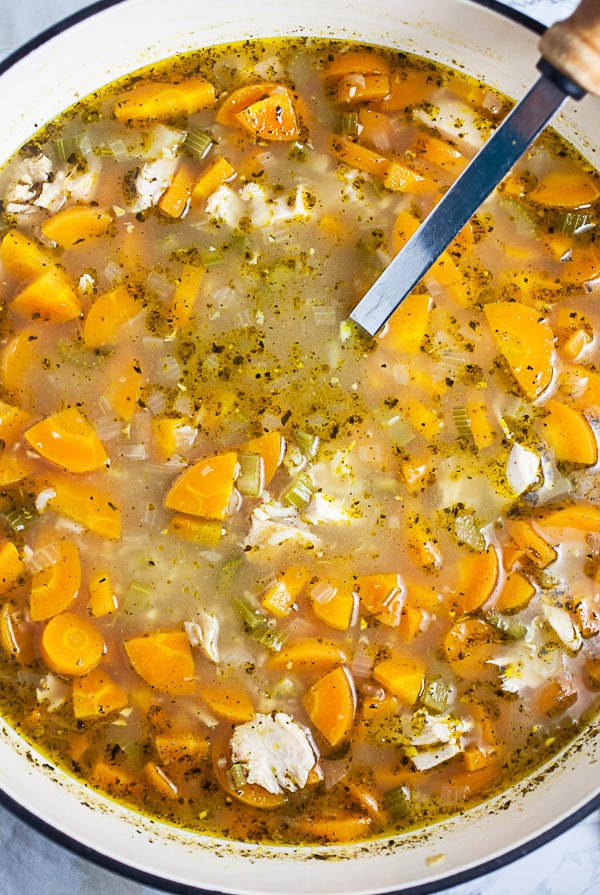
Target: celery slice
{"points": [[198, 143], [299, 492], [398, 802], [250, 481], [435, 695]]}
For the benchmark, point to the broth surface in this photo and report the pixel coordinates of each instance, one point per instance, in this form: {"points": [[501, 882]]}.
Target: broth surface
{"points": [[261, 576]]}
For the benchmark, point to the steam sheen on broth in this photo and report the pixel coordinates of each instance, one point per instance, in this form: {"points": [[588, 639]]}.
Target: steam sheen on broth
{"points": [[261, 576]]}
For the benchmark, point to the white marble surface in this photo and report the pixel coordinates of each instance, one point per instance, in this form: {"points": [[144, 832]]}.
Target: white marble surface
{"points": [[30, 864]]}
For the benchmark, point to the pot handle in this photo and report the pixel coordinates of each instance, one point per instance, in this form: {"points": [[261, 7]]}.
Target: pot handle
{"points": [[573, 46]]}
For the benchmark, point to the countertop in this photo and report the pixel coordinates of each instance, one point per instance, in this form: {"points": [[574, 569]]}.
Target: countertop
{"points": [[31, 864]]}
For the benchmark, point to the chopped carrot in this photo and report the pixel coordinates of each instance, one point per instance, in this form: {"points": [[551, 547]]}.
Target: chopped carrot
{"points": [[310, 653], [107, 314], [400, 178], [581, 516], [16, 636], [272, 118], [442, 154], [577, 343], [71, 645], [475, 758], [96, 694], [423, 419], [356, 87], [382, 596], [175, 200], [479, 423], [22, 257], [160, 780], [68, 440], [331, 704], [54, 588], [418, 472], [16, 362], [403, 676], [340, 828], [408, 88], [14, 469], [196, 530], [241, 98], [164, 660], [164, 100], [517, 592], [219, 171], [423, 543], [526, 341], [186, 293], [79, 743], [569, 434], [468, 645], [555, 697], [591, 671], [533, 545], [278, 600], [76, 224], [12, 422], [356, 156], [103, 600], [93, 508], [356, 62], [405, 226], [271, 447], [206, 488], [175, 746], [113, 778], [478, 575], [127, 384], [50, 297], [11, 566], [229, 701], [333, 603], [560, 190], [407, 327], [411, 623]]}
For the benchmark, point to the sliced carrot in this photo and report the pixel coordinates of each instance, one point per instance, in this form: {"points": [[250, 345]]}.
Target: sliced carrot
{"points": [[96, 694], [114, 778], [71, 645], [405, 226], [79, 743], [272, 118], [164, 100], [164, 660], [11, 566], [54, 588], [17, 360], [591, 671], [22, 257], [14, 469], [229, 701], [206, 488], [16, 635], [249, 793], [271, 447], [468, 645], [103, 600], [526, 341], [68, 440], [411, 623], [408, 88], [196, 530], [50, 297], [278, 599], [333, 603], [355, 87], [219, 171], [160, 780], [517, 592], [12, 422], [407, 327], [93, 508], [126, 388], [424, 420], [340, 828], [555, 697], [531, 542], [403, 676], [331, 704], [418, 472], [383, 596], [558, 189], [107, 314], [356, 156], [479, 423], [309, 654], [175, 746], [241, 98], [581, 516], [356, 62], [441, 154], [176, 199], [569, 434], [186, 293], [399, 178], [423, 543], [76, 224], [478, 575]]}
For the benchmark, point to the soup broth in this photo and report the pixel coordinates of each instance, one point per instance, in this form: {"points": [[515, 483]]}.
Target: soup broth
{"points": [[262, 576]]}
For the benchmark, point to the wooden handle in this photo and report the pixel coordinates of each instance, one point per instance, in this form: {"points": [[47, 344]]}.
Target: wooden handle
{"points": [[573, 46]]}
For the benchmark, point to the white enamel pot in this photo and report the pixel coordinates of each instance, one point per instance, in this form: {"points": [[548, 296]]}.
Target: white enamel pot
{"points": [[47, 76]]}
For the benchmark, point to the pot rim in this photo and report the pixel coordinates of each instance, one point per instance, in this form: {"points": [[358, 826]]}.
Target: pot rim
{"points": [[105, 861]]}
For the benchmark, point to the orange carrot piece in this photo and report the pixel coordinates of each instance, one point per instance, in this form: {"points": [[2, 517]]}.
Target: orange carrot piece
{"points": [[160, 780], [331, 704], [103, 600], [569, 434], [533, 545], [408, 88], [186, 293], [333, 603], [309, 653], [468, 645], [407, 327], [526, 341], [341, 828], [69, 441], [278, 600], [71, 645], [581, 516], [219, 171], [11, 566], [555, 696], [249, 793], [166, 432], [403, 676], [382, 596], [478, 575], [405, 226], [558, 189], [96, 695], [355, 88], [113, 778], [125, 391], [356, 62], [241, 98], [107, 314], [18, 358], [12, 422], [176, 199], [164, 660], [175, 746], [228, 701], [196, 530], [22, 257], [411, 622], [356, 156], [14, 469], [54, 588], [50, 297], [76, 224], [400, 178], [163, 100], [272, 118], [517, 592], [16, 636], [479, 423], [271, 447], [93, 508], [206, 488]]}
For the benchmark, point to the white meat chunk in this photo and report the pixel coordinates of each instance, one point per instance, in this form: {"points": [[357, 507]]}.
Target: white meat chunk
{"points": [[204, 632], [273, 524], [433, 739], [32, 174], [275, 751], [152, 181]]}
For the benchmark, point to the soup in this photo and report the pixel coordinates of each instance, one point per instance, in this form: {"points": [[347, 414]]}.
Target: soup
{"points": [[261, 576]]}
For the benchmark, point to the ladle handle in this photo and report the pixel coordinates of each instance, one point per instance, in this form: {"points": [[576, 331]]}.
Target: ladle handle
{"points": [[573, 46]]}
